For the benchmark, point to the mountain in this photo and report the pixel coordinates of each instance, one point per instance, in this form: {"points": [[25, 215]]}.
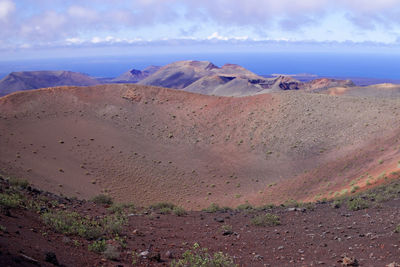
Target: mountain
{"points": [[134, 76], [223, 86], [145, 144], [180, 74], [27, 80], [204, 77]]}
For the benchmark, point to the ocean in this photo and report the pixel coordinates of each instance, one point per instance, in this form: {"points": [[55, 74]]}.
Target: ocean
{"points": [[383, 66]]}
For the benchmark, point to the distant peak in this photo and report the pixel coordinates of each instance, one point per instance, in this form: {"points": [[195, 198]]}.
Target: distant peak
{"points": [[135, 72], [231, 66]]}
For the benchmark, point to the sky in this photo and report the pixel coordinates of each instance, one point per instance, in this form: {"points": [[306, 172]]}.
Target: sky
{"points": [[56, 28]]}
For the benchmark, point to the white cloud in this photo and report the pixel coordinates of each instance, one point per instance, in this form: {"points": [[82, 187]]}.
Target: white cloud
{"points": [[217, 36], [47, 26], [119, 21], [7, 7], [74, 40], [96, 40]]}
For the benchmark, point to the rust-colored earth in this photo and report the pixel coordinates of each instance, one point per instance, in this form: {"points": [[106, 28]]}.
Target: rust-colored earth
{"points": [[146, 144], [317, 235]]}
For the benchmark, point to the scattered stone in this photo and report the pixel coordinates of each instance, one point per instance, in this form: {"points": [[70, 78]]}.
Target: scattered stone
{"points": [[144, 254], [297, 209], [227, 232], [219, 219], [348, 261], [280, 247], [169, 254], [393, 264], [29, 259], [52, 258], [258, 257]]}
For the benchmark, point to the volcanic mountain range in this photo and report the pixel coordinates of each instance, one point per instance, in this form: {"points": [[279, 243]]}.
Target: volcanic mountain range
{"points": [[193, 76]]}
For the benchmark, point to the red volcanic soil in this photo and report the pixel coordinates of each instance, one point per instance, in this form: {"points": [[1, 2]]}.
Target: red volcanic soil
{"points": [[145, 144], [386, 90], [317, 235]]}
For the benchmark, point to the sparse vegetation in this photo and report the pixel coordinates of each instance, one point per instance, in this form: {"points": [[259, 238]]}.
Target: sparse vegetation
{"points": [[337, 203], [11, 200], [199, 257], [212, 208], [215, 208], [357, 204], [245, 206], [354, 189], [179, 211], [102, 199], [98, 246], [267, 219], [72, 223], [120, 207], [397, 229], [163, 207], [226, 228], [22, 183]]}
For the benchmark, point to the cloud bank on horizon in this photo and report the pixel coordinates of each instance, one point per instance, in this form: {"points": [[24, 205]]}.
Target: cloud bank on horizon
{"points": [[28, 24]]}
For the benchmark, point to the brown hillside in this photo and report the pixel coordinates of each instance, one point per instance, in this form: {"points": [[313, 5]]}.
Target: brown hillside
{"points": [[387, 90], [148, 144]]}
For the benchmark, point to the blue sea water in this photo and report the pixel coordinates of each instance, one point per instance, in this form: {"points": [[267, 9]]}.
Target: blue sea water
{"points": [[384, 66]]}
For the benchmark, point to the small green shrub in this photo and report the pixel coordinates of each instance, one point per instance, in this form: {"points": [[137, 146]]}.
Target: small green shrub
{"points": [[161, 205], [18, 182], [165, 211], [11, 200], [199, 257], [179, 211], [354, 189], [245, 206], [267, 207], [310, 205], [226, 228], [357, 204], [397, 229], [98, 246], [336, 203], [120, 207], [212, 208], [72, 223], [291, 203], [164, 207], [267, 219], [102, 199], [113, 224]]}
